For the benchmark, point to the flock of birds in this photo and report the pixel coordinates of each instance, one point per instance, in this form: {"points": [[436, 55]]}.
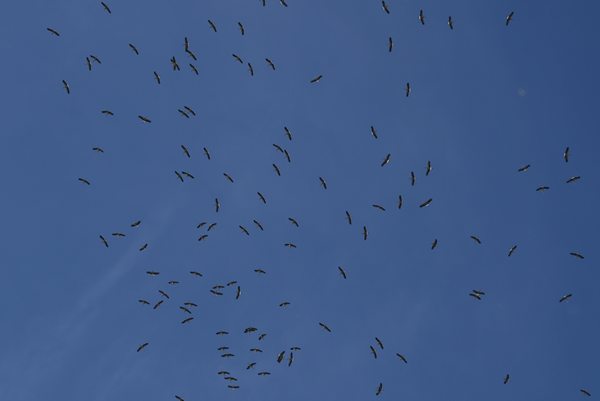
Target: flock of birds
{"points": [[233, 288]]}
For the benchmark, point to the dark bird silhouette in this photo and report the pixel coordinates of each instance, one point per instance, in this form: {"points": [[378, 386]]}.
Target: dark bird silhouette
{"points": [[270, 64], [158, 304], [573, 179], [228, 177], [217, 205], [474, 238], [251, 365], [195, 273], [379, 342], [566, 154], [206, 153], [422, 17], [191, 54], [264, 373], [141, 347], [287, 155], [105, 6], [325, 327], [107, 112], [288, 133], [183, 113], [373, 351], [249, 330], [143, 302], [401, 357], [203, 237], [260, 271], [185, 151], [212, 25], [157, 77], [413, 178], [577, 255], [428, 168], [284, 304], [117, 234], [565, 297], [262, 198], [189, 319], [512, 250], [385, 7], [342, 272], [386, 160], [144, 119], [349, 217], [258, 225], [135, 50], [279, 148], [186, 310], [450, 23], [365, 233], [95, 59], [189, 110], [379, 207], [293, 221], [434, 244], [407, 89], [211, 226], [53, 31], [283, 3], [244, 230], [474, 295], [187, 174], [136, 223], [104, 241], [400, 201], [66, 86], [524, 168], [323, 183], [88, 63], [238, 58], [194, 69], [179, 175], [585, 392], [506, 378], [222, 333], [164, 294], [250, 70], [509, 17], [174, 64], [86, 182], [179, 398], [542, 188], [238, 292], [242, 31], [277, 171], [290, 245], [379, 389], [316, 79], [152, 273], [390, 44], [426, 203], [373, 132]]}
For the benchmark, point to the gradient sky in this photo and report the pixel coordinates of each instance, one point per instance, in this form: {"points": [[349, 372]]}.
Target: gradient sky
{"points": [[486, 99]]}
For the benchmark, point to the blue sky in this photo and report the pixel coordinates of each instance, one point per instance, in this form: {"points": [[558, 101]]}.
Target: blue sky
{"points": [[486, 99]]}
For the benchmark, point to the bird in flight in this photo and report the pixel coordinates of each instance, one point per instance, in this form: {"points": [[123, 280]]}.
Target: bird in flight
{"points": [[450, 23], [509, 17], [421, 17], [401, 357], [585, 392], [144, 119], [373, 351], [342, 272], [242, 30], [407, 89], [524, 168], [379, 389], [66, 86], [474, 238], [365, 233], [104, 241], [565, 297], [316, 79], [212, 25], [386, 159], [390, 44], [141, 347], [426, 203], [349, 217], [270, 63], [577, 255], [385, 7], [106, 8], [53, 31], [135, 50], [325, 327], [506, 378], [86, 182], [323, 183], [566, 154], [573, 179], [379, 342]]}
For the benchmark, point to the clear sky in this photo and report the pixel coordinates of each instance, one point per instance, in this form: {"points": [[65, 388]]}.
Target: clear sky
{"points": [[485, 99]]}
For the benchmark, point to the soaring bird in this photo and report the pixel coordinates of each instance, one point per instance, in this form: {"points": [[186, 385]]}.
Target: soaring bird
{"points": [[348, 217], [217, 205], [565, 297], [373, 351], [290, 359], [152, 273], [250, 70], [260, 271], [144, 119], [288, 133], [413, 178], [270, 64], [95, 59], [263, 335], [426, 203], [293, 221], [183, 113], [524, 168], [400, 201], [191, 54], [287, 155], [379, 389], [585, 392], [105, 6], [407, 89], [512, 250], [573, 179], [244, 230], [107, 113], [157, 77], [450, 23], [174, 64], [222, 333], [283, 3], [117, 234], [386, 160], [89, 63], [185, 151], [434, 243], [277, 171], [342, 272], [373, 132], [186, 310], [280, 356], [401, 357], [164, 294], [379, 342], [284, 304], [542, 188], [251, 365], [385, 7], [104, 241], [263, 373], [141, 347], [509, 17], [187, 174], [566, 154], [206, 153], [238, 58], [474, 238], [262, 198], [86, 182], [179, 398], [316, 79], [365, 233], [189, 110], [506, 378], [195, 273], [143, 302], [194, 69], [179, 175], [53, 31], [136, 223], [323, 183], [324, 326], [203, 237], [211, 226], [379, 207], [258, 225], [189, 319], [577, 255], [390, 44], [212, 25], [135, 50], [428, 169], [422, 17], [66, 86], [228, 177], [475, 295], [242, 31], [158, 304], [290, 245], [238, 292], [249, 330]]}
